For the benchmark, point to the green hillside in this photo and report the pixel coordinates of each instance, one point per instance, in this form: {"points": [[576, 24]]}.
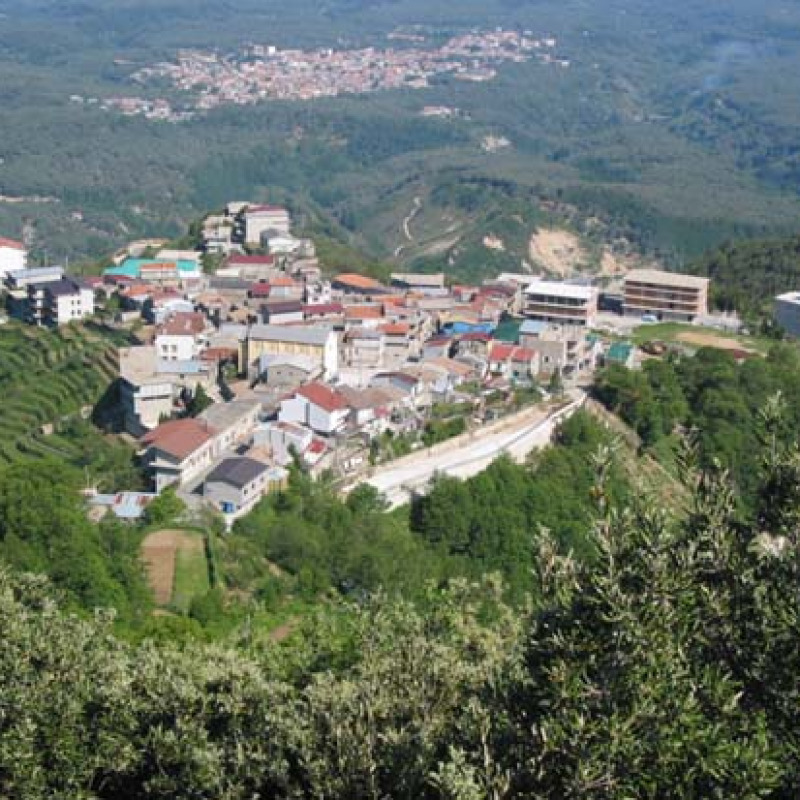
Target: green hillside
{"points": [[48, 378]]}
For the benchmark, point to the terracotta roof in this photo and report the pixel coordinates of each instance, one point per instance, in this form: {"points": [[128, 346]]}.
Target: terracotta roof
{"points": [[475, 336], [506, 352], [260, 289], [502, 352], [323, 396], [363, 312], [357, 281], [12, 243], [396, 329], [179, 437], [283, 281], [184, 323], [219, 353]]}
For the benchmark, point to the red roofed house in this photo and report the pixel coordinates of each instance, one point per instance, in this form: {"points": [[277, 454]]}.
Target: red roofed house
{"points": [[352, 283], [317, 406], [513, 362], [182, 337], [13, 256], [323, 311], [178, 450]]}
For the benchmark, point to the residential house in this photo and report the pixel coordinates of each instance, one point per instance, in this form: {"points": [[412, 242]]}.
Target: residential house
{"points": [[397, 343], [234, 421], [317, 406], [182, 337], [284, 440], [323, 312], [236, 484], [363, 348], [51, 301], [145, 397], [178, 451], [252, 268], [13, 257], [515, 363], [282, 312]]}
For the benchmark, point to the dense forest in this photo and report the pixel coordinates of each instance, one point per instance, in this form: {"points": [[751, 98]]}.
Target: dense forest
{"points": [[664, 666], [747, 275], [715, 396]]}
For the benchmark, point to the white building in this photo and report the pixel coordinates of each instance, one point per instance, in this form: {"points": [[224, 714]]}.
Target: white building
{"points": [[787, 312], [13, 256], [556, 301], [260, 219], [182, 337], [318, 407]]}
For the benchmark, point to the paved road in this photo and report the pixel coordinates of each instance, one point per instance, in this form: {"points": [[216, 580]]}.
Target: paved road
{"points": [[412, 474]]}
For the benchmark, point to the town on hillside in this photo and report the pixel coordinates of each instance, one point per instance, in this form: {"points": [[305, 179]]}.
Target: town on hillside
{"points": [[268, 361]]}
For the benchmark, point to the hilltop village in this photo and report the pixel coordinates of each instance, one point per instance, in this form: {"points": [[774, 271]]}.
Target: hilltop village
{"points": [[207, 79], [269, 361]]}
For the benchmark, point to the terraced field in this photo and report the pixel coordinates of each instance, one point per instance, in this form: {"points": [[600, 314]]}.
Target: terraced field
{"points": [[47, 377]]}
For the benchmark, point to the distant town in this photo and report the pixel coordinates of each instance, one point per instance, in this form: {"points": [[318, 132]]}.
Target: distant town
{"points": [[265, 72], [248, 357]]}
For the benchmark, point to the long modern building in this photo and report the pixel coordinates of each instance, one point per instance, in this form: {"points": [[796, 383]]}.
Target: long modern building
{"points": [[555, 301], [665, 295]]}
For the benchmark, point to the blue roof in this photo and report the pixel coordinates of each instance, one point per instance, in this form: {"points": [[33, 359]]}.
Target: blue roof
{"points": [[131, 267], [533, 327]]}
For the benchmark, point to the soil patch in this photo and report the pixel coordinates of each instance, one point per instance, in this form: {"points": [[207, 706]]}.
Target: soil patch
{"points": [[159, 553]]}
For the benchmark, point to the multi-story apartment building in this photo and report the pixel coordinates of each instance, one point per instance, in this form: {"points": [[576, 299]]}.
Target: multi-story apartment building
{"points": [[13, 256], [319, 343], [665, 295], [565, 303]]}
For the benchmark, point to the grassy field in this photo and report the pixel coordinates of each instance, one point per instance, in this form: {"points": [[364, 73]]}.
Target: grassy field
{"points": [[191, 572], [696, 336]]}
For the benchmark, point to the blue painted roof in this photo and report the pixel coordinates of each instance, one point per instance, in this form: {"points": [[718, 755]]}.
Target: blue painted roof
{"points": [[131, 267], [533, 327]]}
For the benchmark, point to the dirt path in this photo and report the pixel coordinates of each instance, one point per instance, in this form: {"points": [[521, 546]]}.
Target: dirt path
{"points": [[409, 218], [159, 551]]}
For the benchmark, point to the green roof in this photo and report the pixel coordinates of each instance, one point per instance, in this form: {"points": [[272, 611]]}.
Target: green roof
{"points": [[619, 351]]}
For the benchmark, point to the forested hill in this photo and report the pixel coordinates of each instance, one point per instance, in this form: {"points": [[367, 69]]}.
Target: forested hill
{"points": [[747, 275], [665, 667]]}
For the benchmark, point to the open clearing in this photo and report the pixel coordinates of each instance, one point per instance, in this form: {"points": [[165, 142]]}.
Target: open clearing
{"points": [[712, 340], [176, 566], [558, 252]]}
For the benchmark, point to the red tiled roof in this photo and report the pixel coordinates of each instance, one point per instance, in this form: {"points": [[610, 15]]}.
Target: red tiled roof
{"points": [[502, 352], [323, 396], [396, 329], [476, 336], [356, 281], [363, 312], [12, 243], [260, 289], [158, 266], [179, 437], [219, 353], [266, 261], [317, 446], [184, 323], [283, 281]]}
